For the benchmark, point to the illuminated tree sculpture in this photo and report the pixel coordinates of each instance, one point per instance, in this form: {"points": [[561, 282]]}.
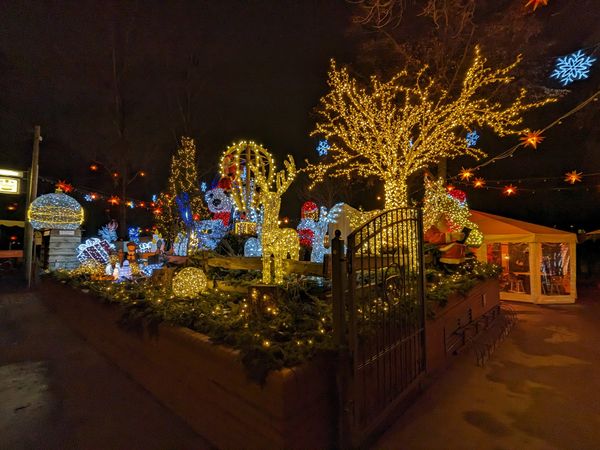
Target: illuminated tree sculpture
{"points": [[392, 130], [183, 194], [451, 207], [277, 242]]}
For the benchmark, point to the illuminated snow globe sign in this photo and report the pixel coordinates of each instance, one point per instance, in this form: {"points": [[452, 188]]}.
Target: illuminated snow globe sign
{"points": [[58, 216]]}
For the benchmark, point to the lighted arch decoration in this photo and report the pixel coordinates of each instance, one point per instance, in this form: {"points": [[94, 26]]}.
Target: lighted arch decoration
{"points": [[234, 163], [56, 211]]}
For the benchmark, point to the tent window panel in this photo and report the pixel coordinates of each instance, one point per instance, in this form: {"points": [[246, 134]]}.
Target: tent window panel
{"points": [[513, 257], [555, 268]]}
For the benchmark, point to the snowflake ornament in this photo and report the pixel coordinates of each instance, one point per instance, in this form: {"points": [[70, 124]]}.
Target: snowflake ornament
{"points": [[575, 66], [472, 138], [323, 147], [203, 186]]}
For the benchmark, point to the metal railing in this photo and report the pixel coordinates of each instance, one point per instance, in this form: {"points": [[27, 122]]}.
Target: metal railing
{"points": [[379, 310]]}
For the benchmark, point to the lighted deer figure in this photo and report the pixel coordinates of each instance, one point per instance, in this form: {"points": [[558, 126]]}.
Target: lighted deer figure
{"points": [[277, 242]]}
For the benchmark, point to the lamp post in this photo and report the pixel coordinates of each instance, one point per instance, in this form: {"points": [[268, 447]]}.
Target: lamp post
{"points": [[31, 195]]}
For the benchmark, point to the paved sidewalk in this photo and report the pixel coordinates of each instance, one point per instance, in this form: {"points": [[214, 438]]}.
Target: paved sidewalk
{"points": [[540, 389], [57, 392]]}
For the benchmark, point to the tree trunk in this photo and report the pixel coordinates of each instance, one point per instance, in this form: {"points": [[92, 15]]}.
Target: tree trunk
{"points": [[123, 205], [396, 192]]}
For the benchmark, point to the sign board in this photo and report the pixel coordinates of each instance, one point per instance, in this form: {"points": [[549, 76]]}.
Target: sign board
{"points": [[9, 185], [66, 232]]}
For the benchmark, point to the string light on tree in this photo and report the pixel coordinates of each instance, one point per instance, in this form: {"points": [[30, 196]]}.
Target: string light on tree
{"points": [[532, 139], [472, 138], [573, 177], [371, 129], [114, 200], [451, 207], [535, 3], [509, 190], [573, 67]]}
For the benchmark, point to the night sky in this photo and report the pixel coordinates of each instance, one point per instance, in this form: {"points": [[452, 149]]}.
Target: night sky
{"points": [[243, 70]]}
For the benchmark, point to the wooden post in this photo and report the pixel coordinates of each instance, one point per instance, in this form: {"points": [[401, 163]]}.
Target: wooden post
{"points": [[31, 195]]}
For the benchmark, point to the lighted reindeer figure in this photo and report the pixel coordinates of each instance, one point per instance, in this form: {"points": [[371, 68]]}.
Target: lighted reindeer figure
{"points": [[276, 242]]}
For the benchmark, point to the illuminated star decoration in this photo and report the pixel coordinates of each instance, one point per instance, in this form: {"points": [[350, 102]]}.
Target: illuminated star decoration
{"points": [[509, 190], [536, 3], [203, 186], [532, 139], [114, 200], [478, 183], [465, 174], [472, 138], [64, 186], [575, 66], [573, 176], [323, 147]]}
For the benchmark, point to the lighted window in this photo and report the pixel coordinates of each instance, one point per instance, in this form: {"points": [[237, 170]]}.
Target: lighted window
{"points": [[555, 268]]}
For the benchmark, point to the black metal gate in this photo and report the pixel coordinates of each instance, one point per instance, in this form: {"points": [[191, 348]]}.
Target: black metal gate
{"points": [[379, 320]]}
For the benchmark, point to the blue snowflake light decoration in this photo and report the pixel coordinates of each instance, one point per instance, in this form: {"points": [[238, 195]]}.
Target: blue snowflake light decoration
{"points": [[88, 198], [323, 147], [203, 186], [472, 138], [134, 234], [575, 66]]}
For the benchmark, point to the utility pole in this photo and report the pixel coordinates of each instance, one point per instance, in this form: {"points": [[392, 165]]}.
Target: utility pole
{"points": [[31, 195]]}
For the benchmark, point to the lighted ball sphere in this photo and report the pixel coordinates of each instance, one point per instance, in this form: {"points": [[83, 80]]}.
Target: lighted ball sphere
{"points": [[56, 211], [189, 282]]}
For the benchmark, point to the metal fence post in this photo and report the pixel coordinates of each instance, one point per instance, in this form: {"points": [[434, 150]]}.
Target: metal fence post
{"points": [[338, 288]]}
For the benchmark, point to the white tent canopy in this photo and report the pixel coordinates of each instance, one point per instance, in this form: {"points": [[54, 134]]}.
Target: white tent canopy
{"points": [[538, 262]]}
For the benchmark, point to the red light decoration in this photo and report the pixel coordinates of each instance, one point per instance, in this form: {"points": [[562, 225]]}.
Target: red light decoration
{"points": [[450, 188], [509, 190], [115, 174], [114, 200], [573, 177], [535, 3], [532, 139], [196, 217], [142, 204], [64, 186], [157, 211], [94, 167], [478, 183], [13, 238], [94, 196], [142, 173], [459, 195]]}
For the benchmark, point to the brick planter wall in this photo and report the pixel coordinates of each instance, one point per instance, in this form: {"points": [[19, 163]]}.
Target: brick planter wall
{"points": [[458, 312], [205, 384]]}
